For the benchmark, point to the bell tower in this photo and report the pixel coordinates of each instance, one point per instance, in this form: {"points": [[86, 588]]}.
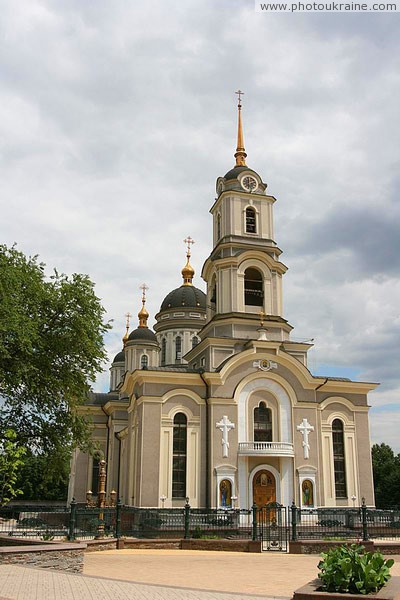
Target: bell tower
{"points": [[243, 272]]}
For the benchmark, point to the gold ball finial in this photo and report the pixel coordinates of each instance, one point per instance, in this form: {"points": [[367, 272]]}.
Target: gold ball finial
{"points": [[143, 313], [188, 271]]}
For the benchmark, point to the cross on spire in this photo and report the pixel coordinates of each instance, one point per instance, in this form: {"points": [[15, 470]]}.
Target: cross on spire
{"points": [[239, 93], [189, 242], [240, 153], [125, 338], [144, 289]]}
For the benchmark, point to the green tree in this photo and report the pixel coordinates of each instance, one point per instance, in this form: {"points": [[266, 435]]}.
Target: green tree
{"points": [[45, 476], [51, 349], [11, 461], [386, 469]]}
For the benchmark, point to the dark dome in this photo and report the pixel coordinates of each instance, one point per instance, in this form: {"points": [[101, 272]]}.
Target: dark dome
{"points": [[235, 172], [120, 357], [186, 296], [143, 333]]}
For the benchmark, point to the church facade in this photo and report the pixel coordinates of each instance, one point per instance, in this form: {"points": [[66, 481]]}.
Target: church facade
{"points": [[217, 405]]}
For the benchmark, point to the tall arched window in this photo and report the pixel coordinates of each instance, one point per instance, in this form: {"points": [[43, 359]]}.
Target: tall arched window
{"points": [[339, 461], [251, 220], [253, 287], [163, 352], [218, 226], [95, 475], [144, 361], [195, 341], [179, 452], [213, 298], [178, 347], [262, 423]]}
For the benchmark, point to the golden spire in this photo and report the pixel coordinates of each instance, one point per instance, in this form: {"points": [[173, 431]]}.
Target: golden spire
{"points": [[188, 271], [240, 153], [126, 336], [143, 314]]}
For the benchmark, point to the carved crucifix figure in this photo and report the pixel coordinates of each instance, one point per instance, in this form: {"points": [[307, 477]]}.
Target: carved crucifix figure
{"points": [[225, 426], [305, 428]]}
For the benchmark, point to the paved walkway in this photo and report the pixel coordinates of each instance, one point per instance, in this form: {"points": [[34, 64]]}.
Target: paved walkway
{"points": [[25, 583], [166, 575]]}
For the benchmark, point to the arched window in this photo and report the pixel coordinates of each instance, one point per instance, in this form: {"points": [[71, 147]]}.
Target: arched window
{"points": [[178, 347], [95, 473], [163, 351], [251, 220], [213, 298], [195, 341], [262, 423], [144, 361], [253, 287], [179, 456], [339, 461], [218, 226]]}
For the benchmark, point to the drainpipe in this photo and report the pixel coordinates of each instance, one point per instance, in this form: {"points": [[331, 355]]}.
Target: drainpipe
{"points": [[119, 463], [108, 436], [208, 482]]}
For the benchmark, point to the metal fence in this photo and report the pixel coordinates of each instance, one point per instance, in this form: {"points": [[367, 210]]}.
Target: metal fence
{"points": [[344, 524], [82, 522], [39, 522]]}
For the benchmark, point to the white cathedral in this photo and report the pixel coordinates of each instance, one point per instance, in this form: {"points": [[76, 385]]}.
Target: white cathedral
{"points": [[217, 405]]}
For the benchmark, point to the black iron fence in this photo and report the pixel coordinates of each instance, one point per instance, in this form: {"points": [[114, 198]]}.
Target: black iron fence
{"points": [[265, 523], [361, 523]]}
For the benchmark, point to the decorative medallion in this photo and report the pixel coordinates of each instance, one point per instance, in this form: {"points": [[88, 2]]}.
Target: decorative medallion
{"points": [[265, 365]]}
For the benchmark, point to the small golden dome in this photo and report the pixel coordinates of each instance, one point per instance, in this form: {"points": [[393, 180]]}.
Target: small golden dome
{"points": [[188, 271], [143, 316], [126, 336]]}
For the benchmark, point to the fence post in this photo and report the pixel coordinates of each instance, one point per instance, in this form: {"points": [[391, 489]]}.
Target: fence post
{"points": [[118, 519], [187, 519], [254, 533], [72, 520], [364, 520], [293, 509]]}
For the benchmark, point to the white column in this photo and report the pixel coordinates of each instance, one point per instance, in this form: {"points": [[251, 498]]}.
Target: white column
{"points": [[287, 489]]}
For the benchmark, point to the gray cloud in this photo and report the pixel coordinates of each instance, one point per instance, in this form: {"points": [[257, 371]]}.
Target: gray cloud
{"points": [[115, 121]]}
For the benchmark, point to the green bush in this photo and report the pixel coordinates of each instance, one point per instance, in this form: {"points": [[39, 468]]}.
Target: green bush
{"points": [[350, 569]]}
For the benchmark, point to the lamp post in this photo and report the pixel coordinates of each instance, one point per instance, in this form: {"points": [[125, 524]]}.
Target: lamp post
{"points": [[354, 498], [163, 499], [101, 501]]}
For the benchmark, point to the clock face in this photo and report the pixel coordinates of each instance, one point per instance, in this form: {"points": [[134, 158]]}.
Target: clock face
{"points": [[249, 183]]}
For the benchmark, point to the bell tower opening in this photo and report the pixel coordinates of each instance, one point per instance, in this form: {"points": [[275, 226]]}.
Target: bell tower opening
{"points": [[251, 220], [253, 287]]}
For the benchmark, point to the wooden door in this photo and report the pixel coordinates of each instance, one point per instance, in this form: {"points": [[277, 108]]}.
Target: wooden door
{"points": [[264, 488]]}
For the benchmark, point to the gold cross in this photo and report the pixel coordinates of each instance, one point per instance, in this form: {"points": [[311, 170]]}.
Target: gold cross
{"points": [[189, 241], [239, 93], [128, 317], [144, 289]]}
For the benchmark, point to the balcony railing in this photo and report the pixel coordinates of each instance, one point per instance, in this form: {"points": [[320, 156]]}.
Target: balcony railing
{"points": [[266, 449]]}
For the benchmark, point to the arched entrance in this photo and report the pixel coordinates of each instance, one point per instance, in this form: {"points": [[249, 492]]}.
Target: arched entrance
{"points": [[264, 488]]}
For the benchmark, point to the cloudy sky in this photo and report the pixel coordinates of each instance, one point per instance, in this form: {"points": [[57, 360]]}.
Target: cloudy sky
{"points": [[117, 117]]}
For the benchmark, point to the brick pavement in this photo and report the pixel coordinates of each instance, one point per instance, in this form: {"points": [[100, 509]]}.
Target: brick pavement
{"points": [[26, 583]]}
